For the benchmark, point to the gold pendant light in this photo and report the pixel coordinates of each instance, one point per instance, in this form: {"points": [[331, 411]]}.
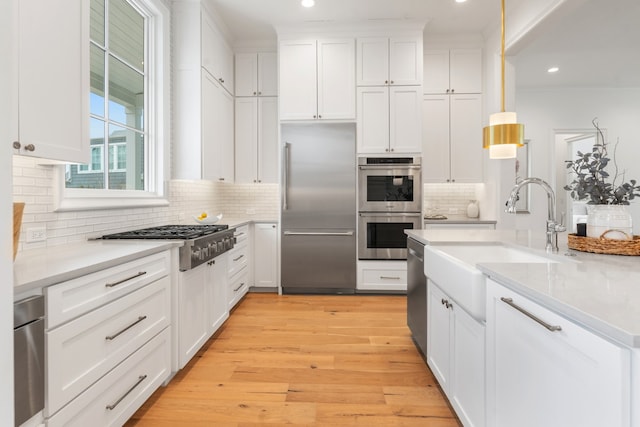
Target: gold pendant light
{"points": [[503, 135]]}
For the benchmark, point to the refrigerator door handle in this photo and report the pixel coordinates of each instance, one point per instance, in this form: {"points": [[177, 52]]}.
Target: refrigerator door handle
{"points": [[317, 233], [285, 174]]}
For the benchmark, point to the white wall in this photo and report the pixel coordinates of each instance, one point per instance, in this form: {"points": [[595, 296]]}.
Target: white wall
{"points": [[544, 111]]}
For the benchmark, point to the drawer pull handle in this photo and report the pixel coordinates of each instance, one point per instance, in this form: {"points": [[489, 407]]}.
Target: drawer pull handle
{"points": [[390, 277], [114, 336], [119, 282], [239, 234], [117, 402], [238, 288], [552, 328], [238, 259]]}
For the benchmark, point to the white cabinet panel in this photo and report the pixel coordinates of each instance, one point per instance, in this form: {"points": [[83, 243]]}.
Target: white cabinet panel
{"points": [[256, 140], [217, 131], [265, 255], [452, 138], [53, 69], [336, 79], [405, 119], [382, 275], [438, 335], [452, 71], [372, 127], [373, 61], [217, 292], [578, 378], [83, 350], [217, 56], [256, 74], [405, 61], [298, 80], [267, 74], [193, 322]]}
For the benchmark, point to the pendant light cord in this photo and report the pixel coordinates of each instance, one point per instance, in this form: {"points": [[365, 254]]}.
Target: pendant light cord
{"points": [[502, 58]]}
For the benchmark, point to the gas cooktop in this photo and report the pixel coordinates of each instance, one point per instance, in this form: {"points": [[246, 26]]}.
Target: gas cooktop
{"points": [[179, 232]]}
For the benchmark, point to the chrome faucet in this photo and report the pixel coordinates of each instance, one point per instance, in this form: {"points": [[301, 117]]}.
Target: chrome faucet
{"points": [[553, 227]]}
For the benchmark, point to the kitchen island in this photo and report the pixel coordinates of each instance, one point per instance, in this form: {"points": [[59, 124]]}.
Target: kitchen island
{"points": [[558, 338]]}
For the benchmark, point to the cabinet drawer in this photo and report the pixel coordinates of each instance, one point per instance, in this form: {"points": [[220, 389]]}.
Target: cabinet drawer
{"points": [[238, 287], [375, 278], [70, 299], [241, 234], [83, 350], [238, 258], [123, 390]]}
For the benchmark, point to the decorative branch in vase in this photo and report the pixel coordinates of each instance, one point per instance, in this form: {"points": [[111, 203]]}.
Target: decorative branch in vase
{"points": [[594, 184]]}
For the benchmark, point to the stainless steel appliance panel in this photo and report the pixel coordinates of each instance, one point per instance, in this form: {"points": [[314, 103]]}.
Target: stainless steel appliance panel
{"points": [[319, 178], [318, 212], [381, 234], [417, 294], [318, 261], [28, 355]]}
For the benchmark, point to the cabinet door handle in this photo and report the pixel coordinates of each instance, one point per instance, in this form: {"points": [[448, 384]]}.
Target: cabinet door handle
{"points": [[117, 334], [254, 93], [552, 328], [448, 90], [391, 81], [386, 82], [238, 288], [389, 277], [238, 259], [117, 402], [119, 282], [453, 90]]}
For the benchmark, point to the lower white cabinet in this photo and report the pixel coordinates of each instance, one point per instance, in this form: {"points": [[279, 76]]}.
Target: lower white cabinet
{"points": [[239, 266], [566, 376], [117, 396], [455, 354], [202, 294], [382, 276], [265, 255]]}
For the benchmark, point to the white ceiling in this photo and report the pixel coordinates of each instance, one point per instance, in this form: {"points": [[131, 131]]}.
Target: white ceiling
{"points": [[594, 42]]}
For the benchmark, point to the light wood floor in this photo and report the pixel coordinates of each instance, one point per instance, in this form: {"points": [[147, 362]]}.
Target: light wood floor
{"points": [[305, 360]]}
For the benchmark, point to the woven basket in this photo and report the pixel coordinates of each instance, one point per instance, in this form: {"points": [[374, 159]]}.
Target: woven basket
{"points": [[18, 208], [602, 245]]}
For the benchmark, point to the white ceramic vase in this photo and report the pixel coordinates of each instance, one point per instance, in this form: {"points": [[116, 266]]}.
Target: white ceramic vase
{"points": [[472, 209], [603, 218]]}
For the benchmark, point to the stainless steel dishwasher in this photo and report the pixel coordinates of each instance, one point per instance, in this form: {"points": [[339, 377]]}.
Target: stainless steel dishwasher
{"points": [[417, 294], [28, 357]]}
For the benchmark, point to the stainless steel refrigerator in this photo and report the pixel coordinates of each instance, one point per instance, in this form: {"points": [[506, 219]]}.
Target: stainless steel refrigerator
{"points": [[318, 209]]}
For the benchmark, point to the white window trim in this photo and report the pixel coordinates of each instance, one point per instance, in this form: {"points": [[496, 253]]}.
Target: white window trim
{"points": [[71, 199]]}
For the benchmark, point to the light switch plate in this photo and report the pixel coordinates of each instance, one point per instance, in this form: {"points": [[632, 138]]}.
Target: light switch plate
{"points": [[36, 234]]}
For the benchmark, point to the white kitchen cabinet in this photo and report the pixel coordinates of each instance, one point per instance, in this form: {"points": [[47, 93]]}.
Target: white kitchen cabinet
{"points": [[202, 302], [217, 55], [317, 79], [256, 135], [452, 138], [256, 74], [455, 354], [239, 265], [389, 119], [567, 376], [452, 71], [217, 131], [382, 276], [265, 255], [99, 324], [53, 68], [384, 61], [202, 107]]}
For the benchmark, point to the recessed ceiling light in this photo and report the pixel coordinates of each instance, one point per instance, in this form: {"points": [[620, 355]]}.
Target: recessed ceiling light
{"points": [[308, 3], [553, 70], [460, 1]]}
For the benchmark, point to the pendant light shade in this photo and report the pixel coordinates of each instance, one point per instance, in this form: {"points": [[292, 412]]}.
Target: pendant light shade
{"points": [[504, 134]]}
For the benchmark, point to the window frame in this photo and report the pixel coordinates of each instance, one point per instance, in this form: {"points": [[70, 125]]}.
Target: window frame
{"points": [[158, 25]]}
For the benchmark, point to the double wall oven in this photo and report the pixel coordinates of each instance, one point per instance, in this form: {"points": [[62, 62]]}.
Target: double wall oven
{"points": [[389, 202]]}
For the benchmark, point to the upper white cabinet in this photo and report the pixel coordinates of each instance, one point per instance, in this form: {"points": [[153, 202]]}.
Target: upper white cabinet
{"points": [[217, 56], [53, 70], [256, 137], [256, 74], [317, 79], [383, 61], [452, 71], [452, 138], [549, 368], [203, 107], [389, 119]]}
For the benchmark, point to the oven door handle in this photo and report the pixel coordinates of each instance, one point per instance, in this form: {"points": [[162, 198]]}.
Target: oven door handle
{"points": [[389, 168], [400, 214]]}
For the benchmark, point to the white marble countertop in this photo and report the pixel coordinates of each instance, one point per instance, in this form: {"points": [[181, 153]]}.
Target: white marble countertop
{"points": [[601, 292], [43, 267]]}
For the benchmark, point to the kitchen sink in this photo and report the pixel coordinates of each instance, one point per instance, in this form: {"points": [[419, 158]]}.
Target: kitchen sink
{"points": [[453, 268]]}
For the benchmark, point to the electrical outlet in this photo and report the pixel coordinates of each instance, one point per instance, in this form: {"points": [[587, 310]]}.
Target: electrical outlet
{"points": [[453, 211], [251, 211], [36, 234]]}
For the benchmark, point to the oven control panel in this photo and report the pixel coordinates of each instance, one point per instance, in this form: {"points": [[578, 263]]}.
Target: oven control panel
{"points": [[205, 248]]}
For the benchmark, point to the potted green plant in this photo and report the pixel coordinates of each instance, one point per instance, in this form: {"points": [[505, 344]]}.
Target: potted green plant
{"points": [[592, 182]]}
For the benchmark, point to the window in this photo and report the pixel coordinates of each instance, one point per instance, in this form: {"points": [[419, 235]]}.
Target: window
{"points": [[128, 99]]}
